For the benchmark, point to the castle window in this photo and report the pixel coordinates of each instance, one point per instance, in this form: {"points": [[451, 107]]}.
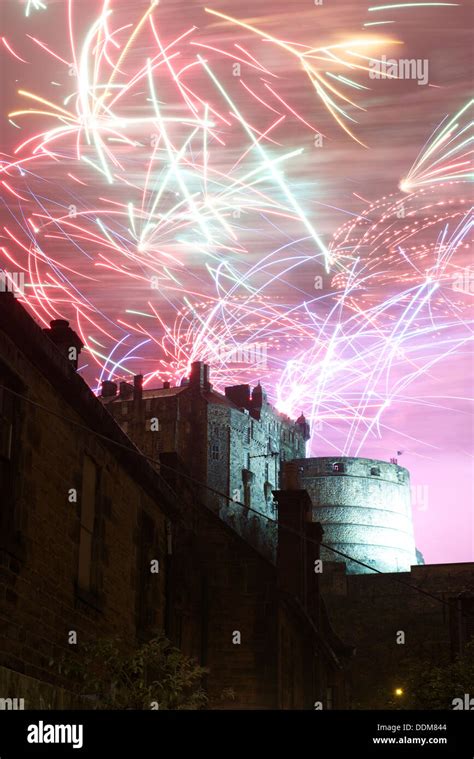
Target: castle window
{"points": [[375, 471], [86, 535], [247, 496], [249, 435], [267, 491], [215, 451], [10, 516], [6, 424], [338, 467], [147, 588]]}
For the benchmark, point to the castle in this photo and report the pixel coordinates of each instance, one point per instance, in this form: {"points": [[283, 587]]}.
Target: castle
{"points": [[238, 450], [233, 445], [364, 506]]}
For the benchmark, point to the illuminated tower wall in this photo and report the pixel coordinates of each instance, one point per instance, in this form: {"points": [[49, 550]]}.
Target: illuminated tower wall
{"points": [[364, 507]]}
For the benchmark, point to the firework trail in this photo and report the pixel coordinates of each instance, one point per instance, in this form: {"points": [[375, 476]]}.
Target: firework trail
{"points": [[367, 351], [446, 155], [314, 61], [147, 182], [386, 233], [165, 158], [34, 5]]}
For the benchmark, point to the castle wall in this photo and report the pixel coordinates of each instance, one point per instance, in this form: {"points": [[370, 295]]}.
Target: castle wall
{"points": [[365, 508]]}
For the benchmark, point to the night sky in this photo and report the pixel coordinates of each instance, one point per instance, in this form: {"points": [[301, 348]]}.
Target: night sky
{"points": [[183, 184]]}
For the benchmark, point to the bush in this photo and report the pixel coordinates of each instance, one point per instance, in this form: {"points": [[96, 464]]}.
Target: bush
{"points": [[154, 676], [435, 687]]}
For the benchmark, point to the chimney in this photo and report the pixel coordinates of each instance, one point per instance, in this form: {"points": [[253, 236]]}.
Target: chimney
{"points": [[126, 391], [199, 376], [166, 385], [239, 394], [290, 475], [138, 388], [259, 397], [109, 389], [298, 548], [68, 341], [303, 427]]}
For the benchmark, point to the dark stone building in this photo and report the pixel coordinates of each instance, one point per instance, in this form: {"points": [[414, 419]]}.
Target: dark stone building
{"points": [[287, 655], [392, 626], [83, 513]]}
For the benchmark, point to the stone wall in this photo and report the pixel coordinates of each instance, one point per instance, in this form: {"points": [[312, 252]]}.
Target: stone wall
{"points": [[364, 506], [28, 693], [221, 587], [370, 612], [41, 600]]}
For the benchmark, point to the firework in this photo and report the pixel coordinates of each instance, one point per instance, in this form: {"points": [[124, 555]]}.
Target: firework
{"points": [[447, 154]]}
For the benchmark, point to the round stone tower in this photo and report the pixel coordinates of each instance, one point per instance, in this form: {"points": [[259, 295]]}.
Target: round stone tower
{"points": [[364, 506]]}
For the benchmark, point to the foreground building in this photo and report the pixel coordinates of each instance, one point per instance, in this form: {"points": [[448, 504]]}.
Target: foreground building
{"points": [[398, 620], [85, 516], [81, 515], [262, 627]]}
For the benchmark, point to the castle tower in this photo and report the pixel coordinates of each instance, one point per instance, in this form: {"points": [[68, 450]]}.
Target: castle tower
{"points": [[364, 506]]}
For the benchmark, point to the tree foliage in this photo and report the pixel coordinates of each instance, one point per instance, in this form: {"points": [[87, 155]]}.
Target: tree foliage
{"points": [[156, 675], [435, 687]]}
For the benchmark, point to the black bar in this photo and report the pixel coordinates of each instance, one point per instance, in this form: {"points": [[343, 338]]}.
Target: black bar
{"points": [[152, 734]]}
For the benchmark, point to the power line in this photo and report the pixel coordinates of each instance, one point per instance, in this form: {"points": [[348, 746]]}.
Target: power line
{"points": [[140, 453]]}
